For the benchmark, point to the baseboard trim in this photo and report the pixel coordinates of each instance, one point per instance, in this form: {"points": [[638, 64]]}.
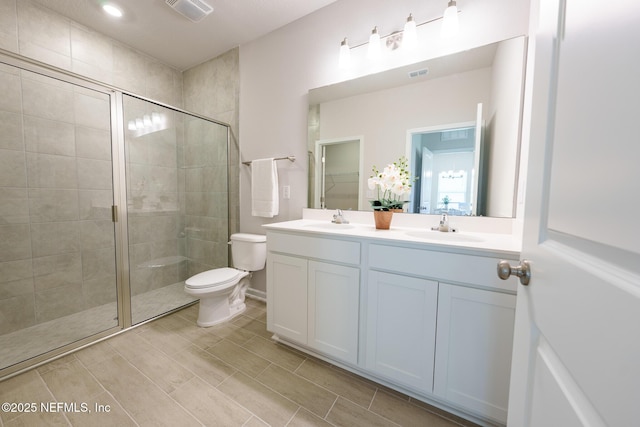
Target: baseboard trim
{"points": [[256, 294]]}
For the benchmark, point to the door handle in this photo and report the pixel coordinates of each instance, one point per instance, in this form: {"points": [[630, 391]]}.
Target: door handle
{"points": [[523, 271]]}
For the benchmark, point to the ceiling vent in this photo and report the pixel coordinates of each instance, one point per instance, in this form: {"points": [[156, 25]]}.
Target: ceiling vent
{"points": [[193, 10], [418, 73]]}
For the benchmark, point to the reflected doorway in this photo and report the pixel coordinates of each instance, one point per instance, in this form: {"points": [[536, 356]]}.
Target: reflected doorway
{"points": [[338, 171], [448, 162]]}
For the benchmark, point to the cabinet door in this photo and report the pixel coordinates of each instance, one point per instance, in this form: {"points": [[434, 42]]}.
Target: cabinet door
{"points": [[401, 328], [473, 349], [287, 297], [334, 292]]}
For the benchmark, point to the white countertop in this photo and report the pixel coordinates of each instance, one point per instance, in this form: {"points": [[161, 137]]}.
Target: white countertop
{"points": [[462, 241]]}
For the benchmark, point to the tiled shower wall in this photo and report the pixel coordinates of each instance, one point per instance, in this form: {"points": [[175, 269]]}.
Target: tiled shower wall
{"points": [[153, 203], [205, 190], [211, 89], [33, 31], [177, 194]]}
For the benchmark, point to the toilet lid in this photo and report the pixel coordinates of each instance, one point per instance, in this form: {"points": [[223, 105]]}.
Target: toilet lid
{"points": [[216, 277]]}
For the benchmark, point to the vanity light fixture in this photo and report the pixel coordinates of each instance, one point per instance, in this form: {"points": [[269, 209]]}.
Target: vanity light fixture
{"points": [[345, 54], [112, 10], [410, 36], [450, 20], [374, 44], [407, 37]]}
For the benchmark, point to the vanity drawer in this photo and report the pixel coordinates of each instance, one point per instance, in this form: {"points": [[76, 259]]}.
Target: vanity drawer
{"points": [[342, 251], [444, 266]]}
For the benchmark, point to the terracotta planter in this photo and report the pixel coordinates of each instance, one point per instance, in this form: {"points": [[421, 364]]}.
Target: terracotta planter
{"points": [[383, 219]]}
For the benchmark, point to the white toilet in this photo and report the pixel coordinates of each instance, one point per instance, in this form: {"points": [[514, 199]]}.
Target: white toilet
{"points": [[221, 291]]}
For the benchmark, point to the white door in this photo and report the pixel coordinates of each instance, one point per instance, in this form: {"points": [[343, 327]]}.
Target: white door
{"points": [[576, 354]]}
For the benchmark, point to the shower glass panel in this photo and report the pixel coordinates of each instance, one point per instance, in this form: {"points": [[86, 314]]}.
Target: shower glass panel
{"points": [[57, 237], [177, 204]]}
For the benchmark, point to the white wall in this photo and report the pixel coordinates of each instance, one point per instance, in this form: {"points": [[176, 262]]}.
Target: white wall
{"points": [[276, 72]]}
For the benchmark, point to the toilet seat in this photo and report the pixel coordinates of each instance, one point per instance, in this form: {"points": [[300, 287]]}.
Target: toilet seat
{"points": [[216, 278]]}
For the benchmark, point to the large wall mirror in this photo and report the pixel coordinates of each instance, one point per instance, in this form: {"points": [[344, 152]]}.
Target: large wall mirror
{"points": [[456, 118]]}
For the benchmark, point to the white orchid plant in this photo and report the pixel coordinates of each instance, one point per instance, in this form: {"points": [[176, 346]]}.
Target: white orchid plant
{"points": [[392, 185]]}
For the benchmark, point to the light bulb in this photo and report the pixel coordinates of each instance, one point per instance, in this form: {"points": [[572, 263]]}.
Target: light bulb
{"points": [[112, 10], [374, 44], [345, 54], [450, 20], [409, 36]]}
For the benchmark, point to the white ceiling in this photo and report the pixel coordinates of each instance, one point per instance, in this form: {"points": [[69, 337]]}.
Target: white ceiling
{"points": [[154, 28]]}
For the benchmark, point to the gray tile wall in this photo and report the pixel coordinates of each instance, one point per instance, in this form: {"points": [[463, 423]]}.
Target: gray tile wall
{"points": [[33, 31], [213, 90], [177, 192], [154, 225], [206, 204]]}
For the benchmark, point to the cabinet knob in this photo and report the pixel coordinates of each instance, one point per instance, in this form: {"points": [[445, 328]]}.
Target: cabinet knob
{"points": [[523, 271]]}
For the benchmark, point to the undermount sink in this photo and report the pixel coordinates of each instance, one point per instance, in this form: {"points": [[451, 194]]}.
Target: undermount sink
{"points": [[443, 237], [330, 226]]}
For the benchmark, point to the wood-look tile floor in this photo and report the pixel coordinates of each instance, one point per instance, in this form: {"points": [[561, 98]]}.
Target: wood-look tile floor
{"points": [[169, 372]]}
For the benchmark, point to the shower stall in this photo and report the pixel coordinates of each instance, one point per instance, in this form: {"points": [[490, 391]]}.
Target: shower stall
{"points": [[108, 203]]}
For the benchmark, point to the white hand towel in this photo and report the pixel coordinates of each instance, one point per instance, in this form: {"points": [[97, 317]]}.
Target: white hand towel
{"points": [[264, 188]]}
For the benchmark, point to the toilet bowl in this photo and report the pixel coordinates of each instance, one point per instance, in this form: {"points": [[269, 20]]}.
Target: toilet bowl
{"points": [[222, 290]]}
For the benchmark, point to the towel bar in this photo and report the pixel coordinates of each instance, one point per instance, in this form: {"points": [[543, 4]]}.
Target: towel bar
{"points": [[290, 158]]}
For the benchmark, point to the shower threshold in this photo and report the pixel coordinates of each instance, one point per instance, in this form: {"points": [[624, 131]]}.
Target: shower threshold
{"points": [[27, 343]]}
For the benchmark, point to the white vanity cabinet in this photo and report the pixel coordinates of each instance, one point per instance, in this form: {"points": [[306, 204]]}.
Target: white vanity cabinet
{"points": [[313, 293], [433, 321], [468, 325], [401, 328], [473, 348]]}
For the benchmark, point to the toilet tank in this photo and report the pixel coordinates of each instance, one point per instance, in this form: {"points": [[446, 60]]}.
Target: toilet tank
{"points": [[248, 251]]}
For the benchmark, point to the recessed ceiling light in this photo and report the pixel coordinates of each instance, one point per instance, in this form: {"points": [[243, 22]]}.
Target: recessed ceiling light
{"points": [[112, 10]]}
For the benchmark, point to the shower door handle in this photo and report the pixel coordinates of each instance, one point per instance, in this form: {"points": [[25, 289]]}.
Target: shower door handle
{"points": [[114, 213]]}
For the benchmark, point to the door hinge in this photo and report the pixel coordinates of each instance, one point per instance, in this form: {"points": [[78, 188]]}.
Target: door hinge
{"points": [[114, 213]]}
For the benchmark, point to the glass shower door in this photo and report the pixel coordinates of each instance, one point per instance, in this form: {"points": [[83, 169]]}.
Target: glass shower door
{"points": [[177, 204], [58, 282], [108, 203]]}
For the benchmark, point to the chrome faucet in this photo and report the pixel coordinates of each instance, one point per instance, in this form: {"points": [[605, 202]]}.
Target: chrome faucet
{"points": [[338, 218], [444, 224]]}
